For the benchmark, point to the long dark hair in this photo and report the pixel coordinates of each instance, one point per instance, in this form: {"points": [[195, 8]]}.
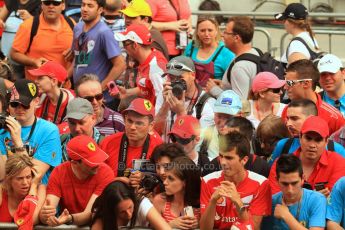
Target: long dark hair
{"points": [[105, 206], [186, 170]]}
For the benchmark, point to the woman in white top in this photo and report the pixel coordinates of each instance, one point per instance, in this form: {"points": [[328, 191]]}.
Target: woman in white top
{"points": [[265, 97], [296, 24], [119, 206]]}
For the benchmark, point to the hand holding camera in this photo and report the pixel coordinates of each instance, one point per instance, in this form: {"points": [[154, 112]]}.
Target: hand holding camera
{"points": [[174, 94]]}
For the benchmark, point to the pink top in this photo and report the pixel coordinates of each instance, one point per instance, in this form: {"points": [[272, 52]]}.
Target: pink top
{"points": [[163, 11]]}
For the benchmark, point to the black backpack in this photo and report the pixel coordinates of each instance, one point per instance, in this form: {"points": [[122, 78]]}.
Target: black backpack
{"points": [[35, 24], [314, 56], [264, 62]]}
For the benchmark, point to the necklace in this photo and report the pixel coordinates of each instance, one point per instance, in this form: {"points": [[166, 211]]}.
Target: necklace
{"points": [[257, 109]]}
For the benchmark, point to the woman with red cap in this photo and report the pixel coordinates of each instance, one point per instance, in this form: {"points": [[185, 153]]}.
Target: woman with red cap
{"points": [[21, 195], [265, 97]]}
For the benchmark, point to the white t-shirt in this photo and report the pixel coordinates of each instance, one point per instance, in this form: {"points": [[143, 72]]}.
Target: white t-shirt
{"points": [[254, 120], [298, 47], [144, 208]]}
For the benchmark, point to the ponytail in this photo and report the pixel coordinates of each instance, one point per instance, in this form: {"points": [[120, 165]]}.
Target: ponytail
{"points": [[311, 33]]}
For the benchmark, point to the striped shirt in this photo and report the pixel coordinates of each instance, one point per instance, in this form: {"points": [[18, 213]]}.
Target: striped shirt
{"points": [[112, 122]]}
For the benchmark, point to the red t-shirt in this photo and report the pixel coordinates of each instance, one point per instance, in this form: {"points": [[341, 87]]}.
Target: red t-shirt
{"points": [[254, 191], [330, 114], [74, 193], [111, 145], [149, 80], [52, 109], [330, 168]]}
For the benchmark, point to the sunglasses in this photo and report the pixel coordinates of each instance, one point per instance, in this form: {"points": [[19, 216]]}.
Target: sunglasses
{"points": [[293, 82], [276, 90], [178, 66], [15, 104], [97, 97], [48, 3], [81, 39], [182, 141], [125, 44], [337, 104]]}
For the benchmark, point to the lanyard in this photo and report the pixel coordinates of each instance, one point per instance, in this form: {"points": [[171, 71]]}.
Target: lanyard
{"points": [[124, 151], [57, 110], [31, 130], [194, 100]]}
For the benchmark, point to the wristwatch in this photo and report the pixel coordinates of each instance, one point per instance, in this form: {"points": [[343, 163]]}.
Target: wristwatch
{"points": [[71, 221], [19, 149]]}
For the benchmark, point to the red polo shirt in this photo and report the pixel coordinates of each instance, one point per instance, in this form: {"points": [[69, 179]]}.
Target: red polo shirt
{"points": [[329, 168], [330, 114]]}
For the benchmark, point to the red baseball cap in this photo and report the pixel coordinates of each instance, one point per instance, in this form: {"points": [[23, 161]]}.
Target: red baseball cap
{"points": [[142, 106], [51, 69], [266, 80], [137, 33], [85, 148], [315, 124], [186, 126]]}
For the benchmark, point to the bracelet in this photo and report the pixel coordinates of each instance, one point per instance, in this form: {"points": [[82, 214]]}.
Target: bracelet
{"points": [[71, 221], [19, 149]]}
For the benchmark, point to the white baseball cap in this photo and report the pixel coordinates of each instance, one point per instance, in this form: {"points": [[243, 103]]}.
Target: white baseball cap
{"points": [[329, 63]]}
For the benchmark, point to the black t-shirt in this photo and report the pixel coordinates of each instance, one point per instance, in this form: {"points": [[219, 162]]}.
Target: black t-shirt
{"points": [[32, 6], [255, 164]]}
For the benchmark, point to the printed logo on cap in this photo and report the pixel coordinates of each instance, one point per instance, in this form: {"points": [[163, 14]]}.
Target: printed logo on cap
{"points": [[91, 146], [180, 122], [226, 101], [32, 88], [148, 105]]}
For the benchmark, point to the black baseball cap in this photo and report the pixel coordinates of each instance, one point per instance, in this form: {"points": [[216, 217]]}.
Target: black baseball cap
{"points": [[24, 91], [295, 11]]}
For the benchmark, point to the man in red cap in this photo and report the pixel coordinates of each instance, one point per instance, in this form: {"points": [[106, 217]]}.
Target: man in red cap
{"points": [[137, 40], [186, 132], [75, 184], [135, 142], [54, 99], [321, 168]]}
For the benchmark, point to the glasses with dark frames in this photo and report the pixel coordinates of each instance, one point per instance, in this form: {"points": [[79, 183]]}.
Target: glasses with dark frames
{"points": [[97, 97], [15, 104], [182, 141], [48, 3]]}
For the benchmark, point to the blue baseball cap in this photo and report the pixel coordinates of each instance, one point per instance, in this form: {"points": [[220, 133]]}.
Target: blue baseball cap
{"points": [[228, 102]]}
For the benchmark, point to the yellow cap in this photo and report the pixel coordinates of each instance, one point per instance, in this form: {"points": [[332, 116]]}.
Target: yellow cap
{"points": [[137, 8]]}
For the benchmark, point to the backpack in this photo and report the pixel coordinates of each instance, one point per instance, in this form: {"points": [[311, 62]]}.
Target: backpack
{"points": [[288, 143], [199, 106], [264, 62], [35, 24], [314, 56]]}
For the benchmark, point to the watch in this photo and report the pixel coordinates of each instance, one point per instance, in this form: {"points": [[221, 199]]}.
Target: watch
{"points": [[19, 149], [71, 221]]}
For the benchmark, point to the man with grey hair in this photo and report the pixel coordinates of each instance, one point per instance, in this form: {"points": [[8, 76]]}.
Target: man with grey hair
{"points": [[81, 121], [107, 120]]}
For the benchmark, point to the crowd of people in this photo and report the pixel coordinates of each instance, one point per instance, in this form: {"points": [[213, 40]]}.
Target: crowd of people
{"points": [[122, 119]]}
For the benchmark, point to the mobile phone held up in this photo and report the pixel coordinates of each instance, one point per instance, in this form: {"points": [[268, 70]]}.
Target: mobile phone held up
{"points": [[112, 87]]}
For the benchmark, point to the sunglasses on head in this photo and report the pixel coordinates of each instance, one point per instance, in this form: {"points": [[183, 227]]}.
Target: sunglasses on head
{"points": [[97, 97], [48, 3], [178, 66], [15, 104], [293, 82], [182, 141]]}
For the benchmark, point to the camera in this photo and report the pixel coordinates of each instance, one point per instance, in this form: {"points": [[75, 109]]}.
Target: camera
{"points": [[178, 87], [150, 181], [3, 124]]}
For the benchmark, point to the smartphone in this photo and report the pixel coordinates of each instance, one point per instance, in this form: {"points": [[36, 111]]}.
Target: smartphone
{"points": [[188, 211], [112, 87], [320, 185]]}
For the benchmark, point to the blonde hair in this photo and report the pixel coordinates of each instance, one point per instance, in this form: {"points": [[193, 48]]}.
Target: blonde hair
{"points": [[14, 165], [201, 19], [304, 25]]}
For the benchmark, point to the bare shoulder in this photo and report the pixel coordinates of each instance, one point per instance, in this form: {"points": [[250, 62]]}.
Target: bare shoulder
{"points": [[159, 201]]}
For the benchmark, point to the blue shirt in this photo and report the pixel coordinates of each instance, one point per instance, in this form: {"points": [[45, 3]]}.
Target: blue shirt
{"points": [[221, 63], [294, 146], [336, 203], [330, 101], [93, 50], [44, 143], [312, 210]]}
